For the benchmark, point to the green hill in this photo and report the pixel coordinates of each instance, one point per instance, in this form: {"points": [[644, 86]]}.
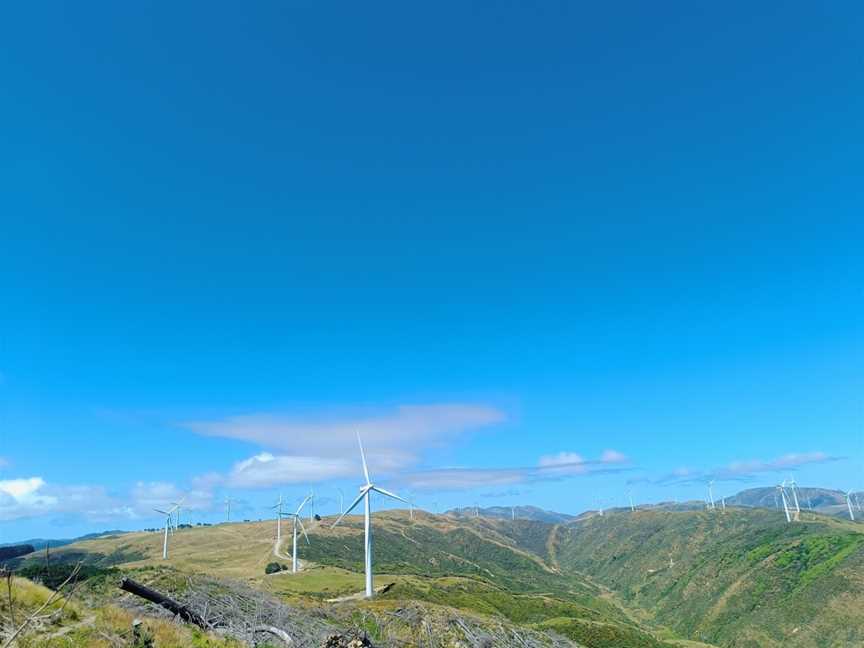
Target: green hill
{"points": [[650, 579], [746, 578]]}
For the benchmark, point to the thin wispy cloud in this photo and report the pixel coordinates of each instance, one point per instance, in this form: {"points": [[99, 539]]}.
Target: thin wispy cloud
{"points": [[563, 465], [321, 448], [740, 471]]}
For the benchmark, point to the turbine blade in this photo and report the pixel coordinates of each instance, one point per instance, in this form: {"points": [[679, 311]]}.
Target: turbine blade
{"points": [[389, 494], [161, 511], [302, 504], [363, 458], [303, 529], [351, 508]]}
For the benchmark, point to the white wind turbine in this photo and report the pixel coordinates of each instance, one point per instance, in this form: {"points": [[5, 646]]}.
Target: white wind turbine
{"points": [[630, 499], [711, 495], [849, 505], [366, 496], [782, 489], [228, 503], [178, 506], [278, 507], [169, 514], [298, 522], [341, 501], [793, 487], [311, 499]]}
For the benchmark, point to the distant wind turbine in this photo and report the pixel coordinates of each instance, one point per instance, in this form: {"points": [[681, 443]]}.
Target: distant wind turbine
{"points": [[341, 501], [311, 499], [168, 517], [298, 522], [711, 495], [630, 499], [228, 502], [366, 496], [278, 507], [849, 505], [782, 490], [178, 506], [794, 488]]}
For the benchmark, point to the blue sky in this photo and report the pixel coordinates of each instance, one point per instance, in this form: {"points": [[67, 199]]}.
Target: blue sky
{"points": [[533, 252]]}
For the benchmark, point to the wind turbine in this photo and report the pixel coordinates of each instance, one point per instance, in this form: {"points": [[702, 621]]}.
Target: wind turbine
{"points": [[178, 506], [782, 490], [168, 516], [228, 502], [849, 505], [298, 522], [513, 512], [366, 496], [311, 499], [630, 499], [794, 488], [411, 504], [711, 495], [278, 507], [341, 501]]}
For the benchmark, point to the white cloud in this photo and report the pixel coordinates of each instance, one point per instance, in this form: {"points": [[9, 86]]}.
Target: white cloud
{"points": [[743, 470], [265, 470], [321, 448], [550, 468], [147, 496], [613, 456], [562, 458], [25, 498], [392, 438]]}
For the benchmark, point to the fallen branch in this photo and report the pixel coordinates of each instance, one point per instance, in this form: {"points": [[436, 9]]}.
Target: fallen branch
{"points": [[50, 600], [284, 636], [129, 585]]}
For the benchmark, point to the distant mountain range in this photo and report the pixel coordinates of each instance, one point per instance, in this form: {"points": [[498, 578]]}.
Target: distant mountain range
{"points": [[40, 543], [820, 500], [508, 512]]}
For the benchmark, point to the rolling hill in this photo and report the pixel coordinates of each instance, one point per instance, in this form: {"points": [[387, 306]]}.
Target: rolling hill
{"points": [[652, 578], [819, 500]]}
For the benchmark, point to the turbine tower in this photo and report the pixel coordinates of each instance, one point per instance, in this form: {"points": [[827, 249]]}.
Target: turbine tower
{"points": [[178, 506], [169, 514], [630, 499], [366, 497], [311, 499], [794, 488], [278, 507], [297, 521], [228, 502], [782, 489], [711, 495], [341, 501], [849, 505]]}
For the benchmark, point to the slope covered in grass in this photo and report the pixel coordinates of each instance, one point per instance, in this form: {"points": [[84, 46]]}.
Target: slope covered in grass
{"points": [[746, 578]]}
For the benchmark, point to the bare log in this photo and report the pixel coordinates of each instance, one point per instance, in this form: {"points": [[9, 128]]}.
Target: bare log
{"points": [[284, 636], [129, 585]]}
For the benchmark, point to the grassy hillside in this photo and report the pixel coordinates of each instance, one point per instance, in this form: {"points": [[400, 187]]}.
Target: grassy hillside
{"points": [[643, 580], [745, 578], [471, 566]]}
